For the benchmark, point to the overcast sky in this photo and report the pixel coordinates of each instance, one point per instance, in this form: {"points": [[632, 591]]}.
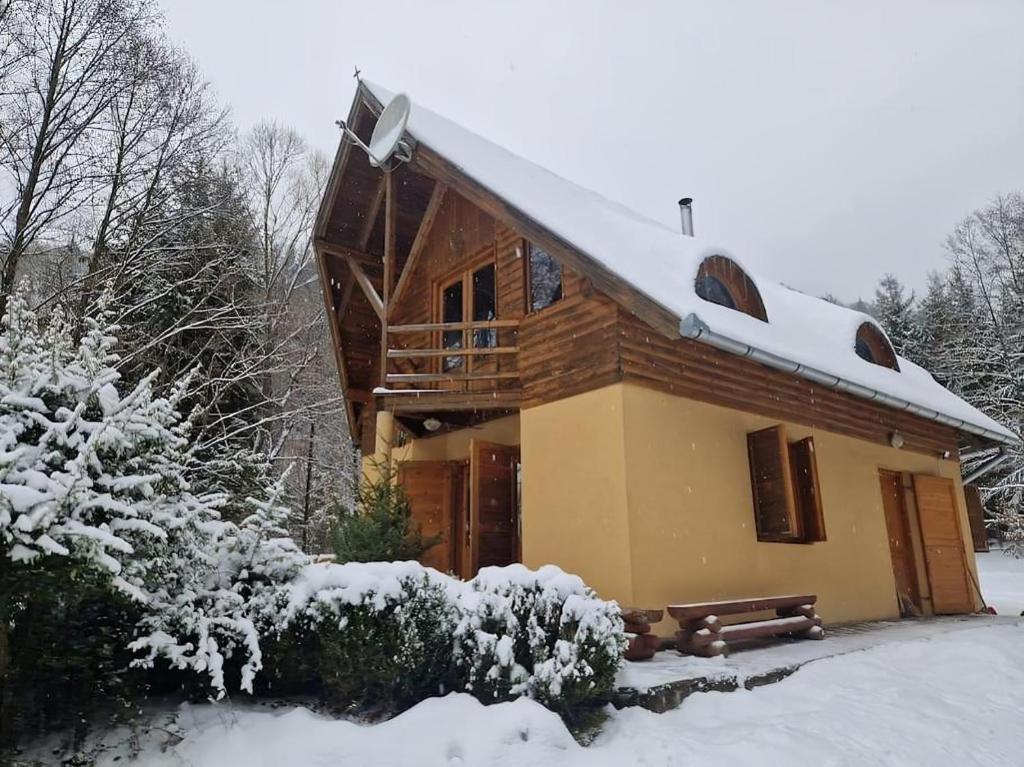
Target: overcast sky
{"points": [[824, 142]]}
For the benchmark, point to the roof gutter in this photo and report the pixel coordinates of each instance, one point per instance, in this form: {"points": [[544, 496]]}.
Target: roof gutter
{"points": [[692, 326]]}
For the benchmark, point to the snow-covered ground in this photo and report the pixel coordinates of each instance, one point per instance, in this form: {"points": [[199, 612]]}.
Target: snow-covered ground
{"points": [[1002, 581], [954, 697]]}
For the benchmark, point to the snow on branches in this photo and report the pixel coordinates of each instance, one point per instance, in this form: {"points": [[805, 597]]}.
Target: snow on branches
{"points": [[102, 477]]}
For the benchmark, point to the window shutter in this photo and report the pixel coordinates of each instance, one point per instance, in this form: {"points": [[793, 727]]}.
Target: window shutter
{"points": [[771, 481], [976, 516], [807, 490]]}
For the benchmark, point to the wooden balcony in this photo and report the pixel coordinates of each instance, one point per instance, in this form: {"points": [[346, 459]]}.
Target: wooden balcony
{"points": [[438, 371]]}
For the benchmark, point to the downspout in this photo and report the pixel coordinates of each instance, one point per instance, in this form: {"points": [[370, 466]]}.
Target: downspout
{"points": [[692, 326]]}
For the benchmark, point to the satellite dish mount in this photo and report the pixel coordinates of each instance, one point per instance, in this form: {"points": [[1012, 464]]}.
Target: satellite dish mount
{"points": [[386, 147]]}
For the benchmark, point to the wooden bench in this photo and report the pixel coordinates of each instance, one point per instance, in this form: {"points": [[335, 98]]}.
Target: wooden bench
{"points": [[702, 633], [642, 643]]}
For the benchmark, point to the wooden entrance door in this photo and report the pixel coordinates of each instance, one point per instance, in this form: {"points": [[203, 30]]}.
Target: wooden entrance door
{"points": [[494, 504], [900, 546], [943, 545], [434, 490]]}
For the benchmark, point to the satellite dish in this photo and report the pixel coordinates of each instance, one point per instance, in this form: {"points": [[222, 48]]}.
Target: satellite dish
{"points": [[386, 141]]}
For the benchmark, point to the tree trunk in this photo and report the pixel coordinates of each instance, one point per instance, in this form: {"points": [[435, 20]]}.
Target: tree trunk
{"points": [[307, 499]]}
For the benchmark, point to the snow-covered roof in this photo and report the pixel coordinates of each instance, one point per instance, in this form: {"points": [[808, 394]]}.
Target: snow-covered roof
{"points": [[814, 337]]}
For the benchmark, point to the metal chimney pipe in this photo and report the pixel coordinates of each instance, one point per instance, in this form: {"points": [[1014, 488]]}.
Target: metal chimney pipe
{"points": [[686, 215]]}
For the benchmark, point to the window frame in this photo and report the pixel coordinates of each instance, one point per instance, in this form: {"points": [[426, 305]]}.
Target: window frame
{"points": [[801, 497], [877, 344], [746, 298], [464, 275], [527, 249]]}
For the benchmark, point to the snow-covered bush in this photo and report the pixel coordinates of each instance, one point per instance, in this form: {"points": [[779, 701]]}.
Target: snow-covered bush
{"points": [[391, 634], [383, 631], [539, 633]]}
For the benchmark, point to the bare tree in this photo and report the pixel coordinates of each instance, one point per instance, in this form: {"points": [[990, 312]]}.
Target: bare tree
{"points": [[66, 74]]}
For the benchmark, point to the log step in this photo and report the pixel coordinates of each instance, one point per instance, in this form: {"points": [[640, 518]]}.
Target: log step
{"points": [[773, 627]]}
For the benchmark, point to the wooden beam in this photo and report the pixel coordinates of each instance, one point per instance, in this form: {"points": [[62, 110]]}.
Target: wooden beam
{"points": [[346, 295], [368, 290], [441, 377], [448, 401], [338, 250], [436, 198], [427, 327], [400, 353], [359, 395], [333, 324], [390, 228], [372, 213]]}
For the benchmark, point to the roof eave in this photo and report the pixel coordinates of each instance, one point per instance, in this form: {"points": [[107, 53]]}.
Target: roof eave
{"points": [[695, 328]]}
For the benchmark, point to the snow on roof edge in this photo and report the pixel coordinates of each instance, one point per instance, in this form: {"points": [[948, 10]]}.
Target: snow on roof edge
{"points": [[809, 333]]}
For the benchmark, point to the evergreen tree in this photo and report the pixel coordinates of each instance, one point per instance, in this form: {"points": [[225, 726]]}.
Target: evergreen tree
{"points": [[894, 311], [100, 516]]}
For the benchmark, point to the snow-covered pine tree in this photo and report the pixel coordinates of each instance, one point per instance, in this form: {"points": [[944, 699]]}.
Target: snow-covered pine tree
{"points": [[204, 615], [986, 346], [894, 311], [103, 479]]}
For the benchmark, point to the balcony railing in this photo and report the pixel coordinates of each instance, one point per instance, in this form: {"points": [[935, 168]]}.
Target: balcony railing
{"points": [[424, 366]]}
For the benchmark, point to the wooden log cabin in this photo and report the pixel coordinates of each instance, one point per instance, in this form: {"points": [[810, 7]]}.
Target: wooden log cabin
{"points": [[561, 380]]}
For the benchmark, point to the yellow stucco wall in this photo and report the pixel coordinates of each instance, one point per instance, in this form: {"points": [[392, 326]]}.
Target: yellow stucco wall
{"points": [[647, 497], [574, 490]]}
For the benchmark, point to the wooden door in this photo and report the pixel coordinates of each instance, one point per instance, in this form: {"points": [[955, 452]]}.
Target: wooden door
{"points": [[900, 546], [943, 545], [494, 504], [433, 490]]}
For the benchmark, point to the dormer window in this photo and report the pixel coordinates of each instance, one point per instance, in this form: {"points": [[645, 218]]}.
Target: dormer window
{"points": [[721, 281], [872, 346]]}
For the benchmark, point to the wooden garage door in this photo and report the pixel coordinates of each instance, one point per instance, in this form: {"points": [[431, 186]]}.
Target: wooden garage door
{"points": [[943, 545], [431, 487]]}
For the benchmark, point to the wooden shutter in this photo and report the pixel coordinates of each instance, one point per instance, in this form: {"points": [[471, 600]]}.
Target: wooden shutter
{"points": [[806, 490], [976, 516], [943, 545], [772, 484], [900, 548], [430, 488], [494, 504]]}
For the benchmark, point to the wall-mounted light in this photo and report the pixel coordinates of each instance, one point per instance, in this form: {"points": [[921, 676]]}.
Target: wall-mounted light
{"points": [[431, 424], [896, 439]]}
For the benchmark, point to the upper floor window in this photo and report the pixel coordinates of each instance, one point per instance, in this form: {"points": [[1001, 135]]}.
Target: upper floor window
{"points": [[543, 278], [472, 297], [721, 281], [872, 345]]}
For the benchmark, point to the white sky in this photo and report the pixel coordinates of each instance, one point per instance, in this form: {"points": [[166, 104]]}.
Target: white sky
{"points": [[824, 142]]}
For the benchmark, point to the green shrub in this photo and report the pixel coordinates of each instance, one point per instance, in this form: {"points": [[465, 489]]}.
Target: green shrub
{"points": [[380, 528], [543, 634], [66, 657], [383, 634]]}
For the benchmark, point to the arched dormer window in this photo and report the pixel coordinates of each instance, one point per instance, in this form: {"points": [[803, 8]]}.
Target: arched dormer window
{"points": [[721, 281], [872, 345]]}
